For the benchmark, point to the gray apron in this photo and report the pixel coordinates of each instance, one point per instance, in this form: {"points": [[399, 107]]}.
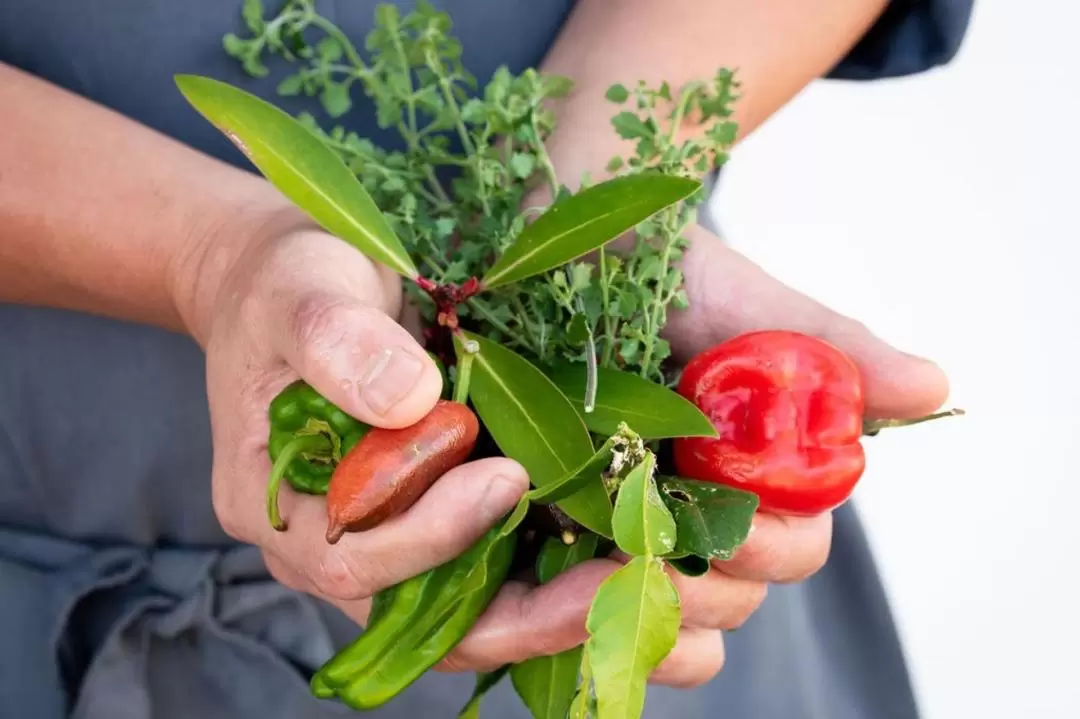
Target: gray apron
{"points": [[120, 596]]}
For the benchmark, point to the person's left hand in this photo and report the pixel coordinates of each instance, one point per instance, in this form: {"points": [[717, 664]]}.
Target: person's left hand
{"points": [[728, 295]]}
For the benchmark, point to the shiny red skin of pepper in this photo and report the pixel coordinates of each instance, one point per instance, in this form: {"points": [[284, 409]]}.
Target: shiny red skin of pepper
{"points": [[788, 409]]}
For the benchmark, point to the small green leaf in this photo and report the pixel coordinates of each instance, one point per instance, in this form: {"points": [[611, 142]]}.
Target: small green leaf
{"points": [[522, 165], [642, 523], [335, 99], [547, 684], [650, 409], [252, 12], [586, 220], [329, 49], [712, 520], [291, 85], [633, 624], [485, 682], [617, 93], [301, 166], [533, 423], [631, 127], [614, 164]]}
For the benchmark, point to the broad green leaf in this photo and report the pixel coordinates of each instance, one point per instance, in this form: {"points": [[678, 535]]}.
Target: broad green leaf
{"points": [[712, 520], [533, 423], [650, 409], [547, 684], [301, 166], [586, 220], [584, 703], [617, 93], [633, 624], [591, 471], [642, 523], [485, 682]]}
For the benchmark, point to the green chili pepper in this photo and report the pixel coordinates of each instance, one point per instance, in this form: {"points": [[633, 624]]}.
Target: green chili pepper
{"points": [[308, 437], [415, 624]]}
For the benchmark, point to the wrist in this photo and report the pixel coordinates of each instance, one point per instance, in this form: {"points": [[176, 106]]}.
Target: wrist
{"points": [[198, 271]]}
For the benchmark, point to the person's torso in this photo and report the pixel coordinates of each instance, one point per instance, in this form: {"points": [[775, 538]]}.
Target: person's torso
{"points": [[104, 429]]}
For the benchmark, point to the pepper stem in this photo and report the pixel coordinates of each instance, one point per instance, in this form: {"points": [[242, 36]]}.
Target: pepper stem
{"points": [[464, 372], [299, 445], [872, 426]]}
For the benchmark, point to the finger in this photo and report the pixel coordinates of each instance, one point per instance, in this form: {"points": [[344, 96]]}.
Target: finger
{"points": [[697, 658], [730, 295], [523, 622], [781, 549], [714, 600], [452, 515], [357, 610], [337, 336]]}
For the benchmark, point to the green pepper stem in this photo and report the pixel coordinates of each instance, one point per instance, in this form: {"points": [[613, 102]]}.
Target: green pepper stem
{"points": [[464, 373], [297, 446], [872, 426]]}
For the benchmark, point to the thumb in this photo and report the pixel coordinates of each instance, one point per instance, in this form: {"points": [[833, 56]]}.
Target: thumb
{"points": [[356, 356], [730, 295]]}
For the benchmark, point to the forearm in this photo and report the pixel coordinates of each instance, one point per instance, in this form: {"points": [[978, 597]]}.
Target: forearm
{"points": [[101, 214], [776, 47]]}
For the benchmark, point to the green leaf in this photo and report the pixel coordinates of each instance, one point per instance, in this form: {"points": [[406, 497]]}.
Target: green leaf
{"points": [[335, 99], [586, 220], [522, 165], [301, 166], [547, 684], [712, 520], [533, 423], [291, 85], [633, 624], [485, 682], [573, 482], [584, 704], [329, 49], [521, 510], [252, 12], [631, 127], [650, 409], [642, 524], [614, 164], [617, 93]]}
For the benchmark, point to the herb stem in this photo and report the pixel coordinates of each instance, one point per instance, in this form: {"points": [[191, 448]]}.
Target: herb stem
{"points": [[498, 324], [652, 315], [545, 159], [605, 304]]}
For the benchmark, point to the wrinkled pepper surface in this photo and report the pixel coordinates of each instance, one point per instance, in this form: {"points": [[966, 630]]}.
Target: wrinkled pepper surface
{"points": [[415, 624], [309, 435]]}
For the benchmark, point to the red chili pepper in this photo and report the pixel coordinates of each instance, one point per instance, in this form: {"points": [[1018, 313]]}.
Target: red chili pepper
{"points": [[389, 469], [789, 411]]}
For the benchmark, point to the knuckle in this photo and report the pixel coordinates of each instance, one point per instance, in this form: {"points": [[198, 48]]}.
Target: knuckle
{"points": [[317, 321], [224, 502], [280, 573], [341, 577]]}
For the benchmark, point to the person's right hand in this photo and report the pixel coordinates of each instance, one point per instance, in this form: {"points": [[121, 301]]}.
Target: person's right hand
{"points": [[298, 302]]}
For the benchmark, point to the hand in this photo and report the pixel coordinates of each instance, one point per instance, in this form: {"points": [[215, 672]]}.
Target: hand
{"points": [[728, 295], [299, 302]]}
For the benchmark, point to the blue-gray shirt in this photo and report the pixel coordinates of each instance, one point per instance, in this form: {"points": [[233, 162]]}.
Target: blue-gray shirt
{"points": [[121, 598]]}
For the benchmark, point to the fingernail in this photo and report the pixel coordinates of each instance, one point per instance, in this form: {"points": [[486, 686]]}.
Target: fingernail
{"points": [[387, 377], [501, 496]]}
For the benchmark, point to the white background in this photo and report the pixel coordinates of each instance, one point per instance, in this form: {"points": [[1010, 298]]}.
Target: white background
{"points": [[942, 211]]}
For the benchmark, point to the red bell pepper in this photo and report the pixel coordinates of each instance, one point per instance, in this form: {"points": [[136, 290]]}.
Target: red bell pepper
{"points": [[789, 412]]}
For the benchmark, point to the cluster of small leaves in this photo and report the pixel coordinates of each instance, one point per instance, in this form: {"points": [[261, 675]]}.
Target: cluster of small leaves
{"points": [[453, 190]]}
